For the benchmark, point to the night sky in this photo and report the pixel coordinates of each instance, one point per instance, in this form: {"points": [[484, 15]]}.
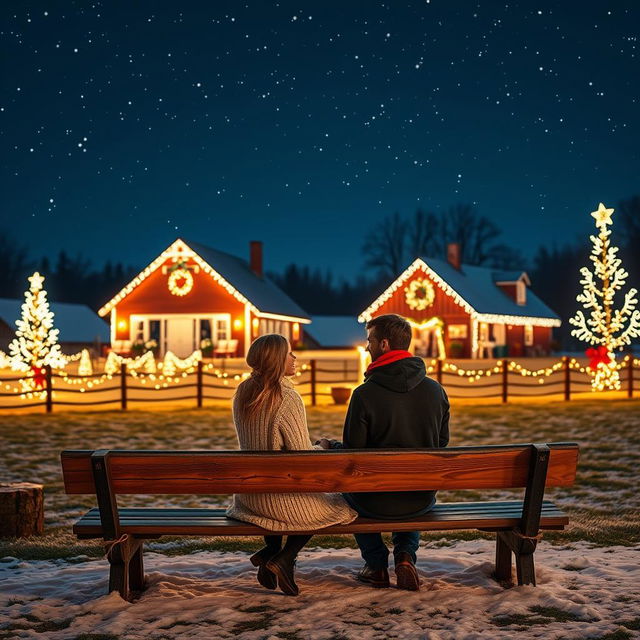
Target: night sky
{"points": [[127, 124]]}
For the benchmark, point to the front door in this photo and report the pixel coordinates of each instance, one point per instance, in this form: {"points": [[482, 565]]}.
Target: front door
{"points": [[180, 336]]}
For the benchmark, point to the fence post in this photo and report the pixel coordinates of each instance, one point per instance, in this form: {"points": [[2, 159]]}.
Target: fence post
{"points": [[313, 382], [49, 388], [567, 378], [505, 380], [345, 366], [630, 380], [439, 370], [199, 385], [123, 385]]}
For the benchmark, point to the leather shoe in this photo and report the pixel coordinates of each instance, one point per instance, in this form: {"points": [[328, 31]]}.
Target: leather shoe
{"points": [[406, 573], [377, 578], [282, 565], [265, 577]]}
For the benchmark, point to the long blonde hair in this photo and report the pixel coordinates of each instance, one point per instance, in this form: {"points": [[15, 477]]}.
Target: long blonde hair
{"points": [[267, 357]]}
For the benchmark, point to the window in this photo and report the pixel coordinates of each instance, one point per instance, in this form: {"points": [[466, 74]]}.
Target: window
{"points": [[222, 329], [139, 331], [528, 335], [154, 330], [457, 331], [205, 329]]}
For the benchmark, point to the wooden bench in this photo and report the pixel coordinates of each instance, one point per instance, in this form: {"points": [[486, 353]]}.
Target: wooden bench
{"points": [[108, 473]]}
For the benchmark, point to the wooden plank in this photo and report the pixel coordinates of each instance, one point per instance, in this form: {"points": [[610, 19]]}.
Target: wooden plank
{"points": [[135, 521], [225, 472], [442, 508]]}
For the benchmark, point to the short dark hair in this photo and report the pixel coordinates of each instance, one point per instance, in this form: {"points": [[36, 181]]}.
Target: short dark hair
{"points": [[392, 327]]}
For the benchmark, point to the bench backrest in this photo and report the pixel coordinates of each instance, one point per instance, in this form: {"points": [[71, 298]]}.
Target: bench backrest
{"points": [[224, 472]]}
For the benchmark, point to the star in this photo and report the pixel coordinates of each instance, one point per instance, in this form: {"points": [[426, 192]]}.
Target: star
{"points": [[602, 216], [36, 281]]}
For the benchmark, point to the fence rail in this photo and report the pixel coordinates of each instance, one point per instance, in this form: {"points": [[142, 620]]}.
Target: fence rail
{"points": [[503, 380]]}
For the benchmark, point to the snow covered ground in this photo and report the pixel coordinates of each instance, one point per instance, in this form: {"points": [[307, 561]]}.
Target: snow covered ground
{"points": [[588, 575], [583, 592]]}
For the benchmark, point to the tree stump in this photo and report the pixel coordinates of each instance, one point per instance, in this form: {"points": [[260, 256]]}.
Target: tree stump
{"points": [[21, 510]]}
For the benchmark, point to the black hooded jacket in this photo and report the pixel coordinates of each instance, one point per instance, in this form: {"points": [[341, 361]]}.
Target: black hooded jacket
{"points": [[398, 406]]}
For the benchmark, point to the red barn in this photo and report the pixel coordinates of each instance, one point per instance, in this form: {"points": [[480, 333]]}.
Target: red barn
{"points": [[459, 310], [192, 295]]}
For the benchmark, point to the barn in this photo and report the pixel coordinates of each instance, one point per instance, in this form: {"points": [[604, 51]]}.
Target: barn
{"points": [[193, 296], [463, 311]]}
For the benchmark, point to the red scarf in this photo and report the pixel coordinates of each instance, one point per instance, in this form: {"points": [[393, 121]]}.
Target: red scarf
{"points": [[388, 358]]}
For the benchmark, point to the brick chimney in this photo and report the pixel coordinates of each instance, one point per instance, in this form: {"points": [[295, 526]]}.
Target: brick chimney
{"points": [[255, 257], [453, 255]]}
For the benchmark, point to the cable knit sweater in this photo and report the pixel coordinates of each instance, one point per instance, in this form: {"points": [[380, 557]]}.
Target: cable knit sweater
{"points": [[284, 511]]}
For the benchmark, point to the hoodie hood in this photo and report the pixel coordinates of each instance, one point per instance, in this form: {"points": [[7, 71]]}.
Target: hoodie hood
{"points": [[400, 376]]}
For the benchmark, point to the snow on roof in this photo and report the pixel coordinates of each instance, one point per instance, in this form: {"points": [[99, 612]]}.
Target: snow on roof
{"points": [[76, 322], [477, 285], [337, 331], [261, 292]]}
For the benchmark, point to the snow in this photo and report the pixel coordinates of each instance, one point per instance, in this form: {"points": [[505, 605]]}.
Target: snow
{"points": [[215, 595]]}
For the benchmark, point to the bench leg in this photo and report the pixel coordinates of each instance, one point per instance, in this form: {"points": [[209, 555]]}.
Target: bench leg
{"points": [[136, 570], [126, 570], [525, 568], [119, 578], [503, 560]]}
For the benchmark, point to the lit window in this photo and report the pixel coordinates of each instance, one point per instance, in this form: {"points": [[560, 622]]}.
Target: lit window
{"points": [[528, 335], [456, 331]]}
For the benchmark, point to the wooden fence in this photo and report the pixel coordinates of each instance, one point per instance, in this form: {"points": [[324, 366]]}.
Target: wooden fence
{"points": [[504, 380]]}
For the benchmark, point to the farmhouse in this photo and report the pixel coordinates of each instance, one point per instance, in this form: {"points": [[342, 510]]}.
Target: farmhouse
{"points": [[192, 296], [459, 310]]}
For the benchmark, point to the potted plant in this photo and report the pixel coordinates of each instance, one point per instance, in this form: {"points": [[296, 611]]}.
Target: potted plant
{"points": [[456, 349], [137, 347], [206, 346], [151, 345], [340, 395]]}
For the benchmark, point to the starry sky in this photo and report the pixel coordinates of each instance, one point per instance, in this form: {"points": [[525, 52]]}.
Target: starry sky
{"points": [[302, 124]]}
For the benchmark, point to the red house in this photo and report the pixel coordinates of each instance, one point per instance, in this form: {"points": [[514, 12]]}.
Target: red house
{"points": [[192, 295], [459, 310]]}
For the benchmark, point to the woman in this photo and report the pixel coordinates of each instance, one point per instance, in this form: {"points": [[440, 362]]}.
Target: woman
{"points": [[269, 415]]}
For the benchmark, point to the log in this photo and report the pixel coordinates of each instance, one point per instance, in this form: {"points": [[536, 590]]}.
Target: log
{"points": [[21, 510]]}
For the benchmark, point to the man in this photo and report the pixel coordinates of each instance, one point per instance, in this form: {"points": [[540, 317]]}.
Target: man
{"points": [[398, 406]]}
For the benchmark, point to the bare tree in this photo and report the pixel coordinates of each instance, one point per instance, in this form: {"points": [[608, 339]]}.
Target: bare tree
{"points": [[475, 234], [423, 234], [384, 246]]}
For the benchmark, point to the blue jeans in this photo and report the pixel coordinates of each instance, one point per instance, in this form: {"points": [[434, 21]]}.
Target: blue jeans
{"points": [[373, 549]]}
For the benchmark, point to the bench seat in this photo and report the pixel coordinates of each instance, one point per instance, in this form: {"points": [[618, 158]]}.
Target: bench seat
{"points": [[143, 522]]}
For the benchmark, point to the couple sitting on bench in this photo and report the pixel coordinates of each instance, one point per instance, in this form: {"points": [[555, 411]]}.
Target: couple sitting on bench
{"points": [[398, 406]]}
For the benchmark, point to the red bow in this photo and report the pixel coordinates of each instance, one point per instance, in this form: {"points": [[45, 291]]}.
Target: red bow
{"points": [[597, 355], [39, 376]]}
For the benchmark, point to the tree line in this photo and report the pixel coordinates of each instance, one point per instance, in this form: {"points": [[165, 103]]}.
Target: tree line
{"points": [[387, 250]]}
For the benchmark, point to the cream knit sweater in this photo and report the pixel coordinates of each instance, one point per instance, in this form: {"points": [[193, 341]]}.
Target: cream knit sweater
{"points": [[284, 511]]}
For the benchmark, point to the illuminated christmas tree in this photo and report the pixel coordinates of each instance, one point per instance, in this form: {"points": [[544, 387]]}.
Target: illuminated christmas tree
{"points": [[36, 342], [607, 329]]}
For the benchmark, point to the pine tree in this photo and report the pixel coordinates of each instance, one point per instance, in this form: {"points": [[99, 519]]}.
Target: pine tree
{"points": [[36, 342], [606, 328]]}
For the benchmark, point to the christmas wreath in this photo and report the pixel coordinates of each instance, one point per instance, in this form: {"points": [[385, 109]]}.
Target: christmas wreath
{"points": [[180, 280], [420, 294]]}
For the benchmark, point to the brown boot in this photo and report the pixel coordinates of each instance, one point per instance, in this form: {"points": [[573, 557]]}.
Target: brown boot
{"points": [[283, 566], [377, 578], [406, 573], [265, 577]]}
